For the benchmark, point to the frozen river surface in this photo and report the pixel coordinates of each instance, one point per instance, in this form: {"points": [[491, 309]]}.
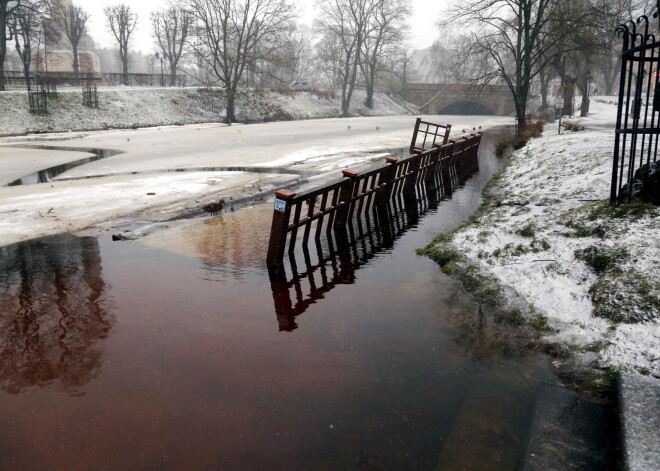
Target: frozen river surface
{"points": [[157, 172]]}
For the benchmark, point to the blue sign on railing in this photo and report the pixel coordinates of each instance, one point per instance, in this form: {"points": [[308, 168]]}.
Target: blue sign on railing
{"points": [[280, 205]]}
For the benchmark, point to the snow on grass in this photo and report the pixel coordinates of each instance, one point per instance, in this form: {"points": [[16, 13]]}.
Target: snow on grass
{"points": [[127, 107], [551, 241]]}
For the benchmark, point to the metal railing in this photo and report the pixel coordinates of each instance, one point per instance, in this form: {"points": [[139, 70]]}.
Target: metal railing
{"points": [[428, 135], [90, 96], [322, 266], [38, 101], [638, 122], [330, 207]]}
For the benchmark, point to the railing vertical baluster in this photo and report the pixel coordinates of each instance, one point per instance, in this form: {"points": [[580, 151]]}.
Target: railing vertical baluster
{"points": [[294, 231], [319, 225], [414, 138], [310, 212], [344, 203]]}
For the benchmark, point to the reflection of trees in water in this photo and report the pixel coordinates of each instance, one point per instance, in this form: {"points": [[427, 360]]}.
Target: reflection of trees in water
{"points": [[53, 314], [235, 240]]}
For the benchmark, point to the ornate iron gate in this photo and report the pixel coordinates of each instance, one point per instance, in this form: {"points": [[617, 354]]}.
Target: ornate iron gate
{"points": [[638, 121]]}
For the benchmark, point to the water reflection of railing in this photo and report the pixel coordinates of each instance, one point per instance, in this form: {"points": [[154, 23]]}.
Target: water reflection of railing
{"points": [[334, 259], [53, 315]]}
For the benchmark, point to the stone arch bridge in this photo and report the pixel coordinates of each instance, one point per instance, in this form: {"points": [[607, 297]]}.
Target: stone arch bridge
{"points": [[434, 98]]}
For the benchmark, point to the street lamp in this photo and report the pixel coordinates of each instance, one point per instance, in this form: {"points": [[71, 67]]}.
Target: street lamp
{"points": [[162, 79]]}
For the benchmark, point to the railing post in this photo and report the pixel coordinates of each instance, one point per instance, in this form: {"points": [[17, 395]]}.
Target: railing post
{"points": [[414, 137], [279, 228], [447, 131], [445, 169], [384, 192], [344, 201]]}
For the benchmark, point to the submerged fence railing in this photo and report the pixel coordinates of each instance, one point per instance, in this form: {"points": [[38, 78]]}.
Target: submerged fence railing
{"points": [[329, 208], [331, 261], [638, 121]]}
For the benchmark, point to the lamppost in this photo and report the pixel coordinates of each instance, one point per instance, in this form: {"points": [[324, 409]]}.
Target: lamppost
{"points": [[162, 79]]}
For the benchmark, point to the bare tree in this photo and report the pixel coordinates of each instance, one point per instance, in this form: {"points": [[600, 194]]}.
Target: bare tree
{"points": [[344, 25], [298, 53], [171, 29], [73, 20], [236, 34], [610, 14], [384, 34], [26, 27], [122, 22], [512, 35], [7, 9]]}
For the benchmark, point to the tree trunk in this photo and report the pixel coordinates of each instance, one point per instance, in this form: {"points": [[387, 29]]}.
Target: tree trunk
{"points": [[521, 116], [569, 93], [231, 97], [611, 74], [584, 104], [124, 68], [369, 102], [545, 82], [172, 75], [351, 84], [76, 65], [3, 43]]}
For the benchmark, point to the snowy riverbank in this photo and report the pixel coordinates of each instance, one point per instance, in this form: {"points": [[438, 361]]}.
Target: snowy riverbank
{"points": [[124, 107], [548, 246]]}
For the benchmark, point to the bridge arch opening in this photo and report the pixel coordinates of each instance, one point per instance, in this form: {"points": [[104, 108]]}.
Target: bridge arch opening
{"points": [[466, 108]]}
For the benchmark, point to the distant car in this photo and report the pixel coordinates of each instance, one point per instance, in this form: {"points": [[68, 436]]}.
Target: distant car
{"points": [[300, 84]]}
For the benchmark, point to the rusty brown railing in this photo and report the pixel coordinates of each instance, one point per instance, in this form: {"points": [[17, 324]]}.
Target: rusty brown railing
{"points": [[427, 136], [318, 268], [330, 207]]}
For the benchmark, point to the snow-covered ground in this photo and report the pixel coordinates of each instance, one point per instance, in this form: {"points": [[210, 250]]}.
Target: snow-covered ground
{"points": [[548, 239], [128, 107]]}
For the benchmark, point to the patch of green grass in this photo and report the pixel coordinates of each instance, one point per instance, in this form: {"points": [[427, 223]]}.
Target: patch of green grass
{"points": [[516, 317], [528, 230], [540, 244], [604, 210], [598, 345], [625, 296], [598, 380], [540, 323], [579, 230], [601, 259], [520, 250], [482, 236], [446, 256]]}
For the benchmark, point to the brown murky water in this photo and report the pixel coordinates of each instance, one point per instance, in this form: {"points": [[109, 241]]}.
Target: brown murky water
{"points": [[171, 355]]}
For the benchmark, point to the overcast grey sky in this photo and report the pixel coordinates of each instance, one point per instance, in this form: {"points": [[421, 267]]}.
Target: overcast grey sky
{"points": [[422, 29]]}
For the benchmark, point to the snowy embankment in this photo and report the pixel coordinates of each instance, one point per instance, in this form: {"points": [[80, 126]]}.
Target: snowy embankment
{"points": [[122, 107], [549, 246]]}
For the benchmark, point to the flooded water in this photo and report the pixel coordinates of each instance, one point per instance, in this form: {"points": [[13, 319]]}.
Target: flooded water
{"points": [[50, 173], [176, 353]]}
